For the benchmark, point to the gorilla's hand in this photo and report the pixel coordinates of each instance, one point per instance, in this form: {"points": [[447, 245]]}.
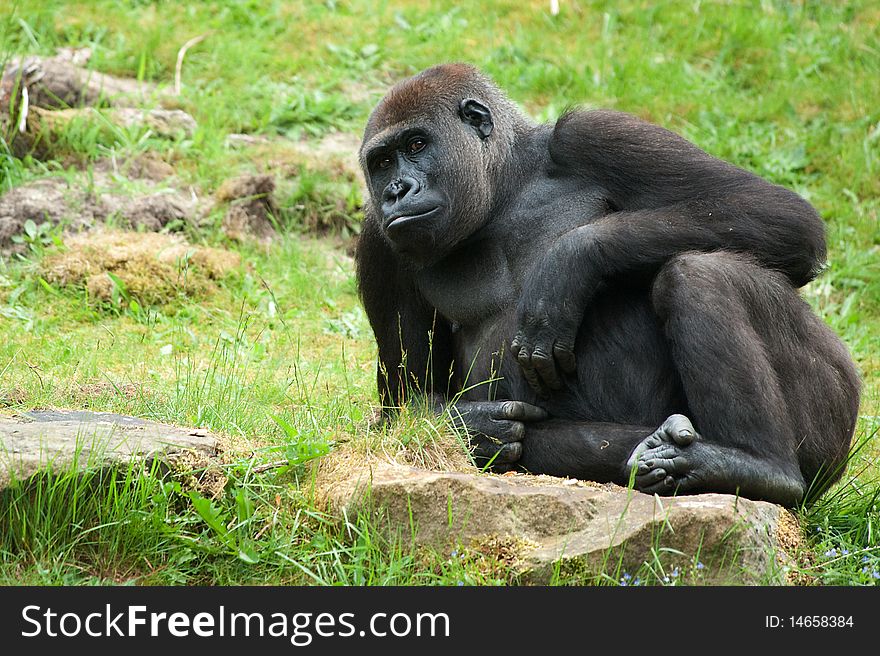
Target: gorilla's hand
{"points": [[547, 319], [495, 429]]}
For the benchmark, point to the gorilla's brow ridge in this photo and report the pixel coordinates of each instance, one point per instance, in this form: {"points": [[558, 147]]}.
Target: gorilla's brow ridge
{"points": [[386, 136]]}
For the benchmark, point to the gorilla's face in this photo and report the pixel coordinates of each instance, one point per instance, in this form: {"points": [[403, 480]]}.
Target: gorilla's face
{"points": [[428, 182], [406, 190]]}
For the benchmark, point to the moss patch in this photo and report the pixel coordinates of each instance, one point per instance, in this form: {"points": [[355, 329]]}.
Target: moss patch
{"points": [[153, 268]]}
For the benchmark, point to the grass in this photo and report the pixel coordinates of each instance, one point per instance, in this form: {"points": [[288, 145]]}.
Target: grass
{"points": [[279, 359]]}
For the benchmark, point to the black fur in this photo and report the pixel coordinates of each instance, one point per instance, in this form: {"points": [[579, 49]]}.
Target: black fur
{"points": [[608, 277]]}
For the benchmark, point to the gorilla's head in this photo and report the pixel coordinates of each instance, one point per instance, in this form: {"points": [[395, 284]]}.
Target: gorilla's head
{"points": [[434, 154]]}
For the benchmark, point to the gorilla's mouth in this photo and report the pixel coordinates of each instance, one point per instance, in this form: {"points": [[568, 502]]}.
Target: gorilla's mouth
{"points": [[403, 220]]}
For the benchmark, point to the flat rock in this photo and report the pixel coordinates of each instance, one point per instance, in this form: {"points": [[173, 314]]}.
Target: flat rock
{"points": [[571, 527], [61, 439]]}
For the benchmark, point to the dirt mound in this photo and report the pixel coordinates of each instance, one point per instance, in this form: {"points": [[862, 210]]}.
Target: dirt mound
{"points": [[152, 268], [49, 200], [251, 206], [83, 201]]}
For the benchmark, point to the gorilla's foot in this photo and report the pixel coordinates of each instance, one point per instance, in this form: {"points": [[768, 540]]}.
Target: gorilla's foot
{"points": [[661, 460]]}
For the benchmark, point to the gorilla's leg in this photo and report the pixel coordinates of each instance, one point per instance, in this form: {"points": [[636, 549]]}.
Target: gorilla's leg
{"points": [[672, 459], [593, 451], [665, 464], [769, 387]]}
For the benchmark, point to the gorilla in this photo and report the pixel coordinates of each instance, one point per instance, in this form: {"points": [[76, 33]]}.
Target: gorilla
{"points": [[598, 298]]}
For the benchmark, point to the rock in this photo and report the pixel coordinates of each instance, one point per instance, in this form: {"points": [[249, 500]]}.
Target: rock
{"points": [[237, 140], [581, 529], [168, 123], [43, 137], [76, 56], [58, 82], [60, 439]]}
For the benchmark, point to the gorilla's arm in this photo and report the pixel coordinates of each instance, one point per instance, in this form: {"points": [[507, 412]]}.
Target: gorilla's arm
{"points": [[415, 344], [667, 197], [415, 356], [678, 191]]}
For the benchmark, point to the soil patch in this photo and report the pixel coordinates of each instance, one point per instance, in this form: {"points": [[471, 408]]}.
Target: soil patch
{"points": [[80, 201]]}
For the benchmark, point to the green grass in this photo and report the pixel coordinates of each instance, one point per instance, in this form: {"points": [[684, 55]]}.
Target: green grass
{"points": [[280, 359]]}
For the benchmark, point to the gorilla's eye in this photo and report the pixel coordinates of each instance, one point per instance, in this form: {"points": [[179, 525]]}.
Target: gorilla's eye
{"points": [[416, 145], [384, 163]]}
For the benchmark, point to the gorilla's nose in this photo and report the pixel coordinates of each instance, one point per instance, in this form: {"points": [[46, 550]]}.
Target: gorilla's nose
{"points": [[399, 189]]}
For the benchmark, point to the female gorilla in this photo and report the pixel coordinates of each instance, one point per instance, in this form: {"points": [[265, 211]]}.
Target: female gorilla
{"points": [[564, 289]]}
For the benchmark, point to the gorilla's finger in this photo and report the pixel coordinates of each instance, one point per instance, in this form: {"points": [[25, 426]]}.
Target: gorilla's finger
{"points": [[534, 380], [520, 411], [665, 450], [680, 430], [669, 465], [507, 431], [666, 486], [485, 449], [511, 452], [495, 454], [516, 344], [546, 368], [652, 442], [651, 478], [564, 354], [524, 358]]}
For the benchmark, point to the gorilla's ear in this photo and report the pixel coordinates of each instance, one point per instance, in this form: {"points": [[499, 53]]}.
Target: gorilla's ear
{"points": [[477, 115]]}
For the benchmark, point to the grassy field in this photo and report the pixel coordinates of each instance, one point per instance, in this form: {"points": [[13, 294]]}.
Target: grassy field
{"points": [[279, 358]]}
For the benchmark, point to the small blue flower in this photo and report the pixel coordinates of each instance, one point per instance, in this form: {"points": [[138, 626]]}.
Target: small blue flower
{"points": [[454, 553], [675, 572], [637, 580], [627, 576], [864, 559], [845, 552], [622, 582], [875, 574], [700, 565], [460, 583], [831, 553]]}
